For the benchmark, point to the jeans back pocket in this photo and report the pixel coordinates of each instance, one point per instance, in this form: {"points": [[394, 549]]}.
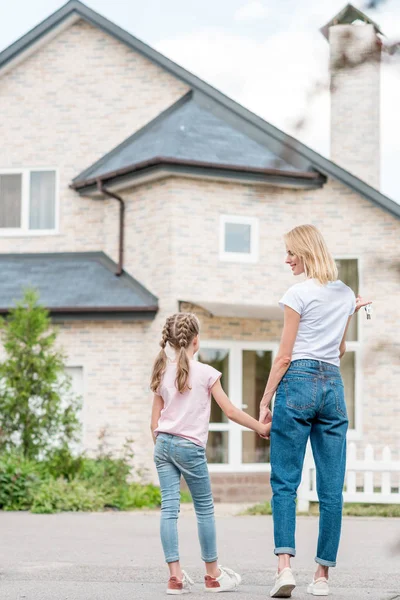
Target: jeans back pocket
{"points": [[300, 392]]}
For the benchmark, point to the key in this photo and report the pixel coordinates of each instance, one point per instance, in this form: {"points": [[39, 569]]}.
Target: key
{"points": [[368, 310]]}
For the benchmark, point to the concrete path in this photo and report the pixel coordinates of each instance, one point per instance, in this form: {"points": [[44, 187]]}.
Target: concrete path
{"points": [[117, 556]]}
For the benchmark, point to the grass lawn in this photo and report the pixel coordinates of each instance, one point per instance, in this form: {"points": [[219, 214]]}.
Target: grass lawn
{"points": [[349, 510]]}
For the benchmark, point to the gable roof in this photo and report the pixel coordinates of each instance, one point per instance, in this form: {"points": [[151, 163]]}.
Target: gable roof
{"points": [[75, 285], [348, 15], [276, 140], [190, 134]]}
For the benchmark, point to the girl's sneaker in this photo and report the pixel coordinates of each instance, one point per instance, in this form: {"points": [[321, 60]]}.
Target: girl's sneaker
{"points": [[228, 581], [284, 584], [319, 587], [176, 587]]}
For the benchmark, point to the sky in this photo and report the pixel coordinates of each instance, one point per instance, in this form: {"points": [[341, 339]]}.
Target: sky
{"points": [[268, 55]]}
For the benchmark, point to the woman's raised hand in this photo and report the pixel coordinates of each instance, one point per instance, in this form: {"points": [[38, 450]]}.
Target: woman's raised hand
{"points": [[360, 302]]}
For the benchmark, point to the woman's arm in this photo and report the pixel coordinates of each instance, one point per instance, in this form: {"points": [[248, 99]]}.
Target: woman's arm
{"points": [[235, 414], [282, 360], [342, 347], [360, 302], [158, 405]]}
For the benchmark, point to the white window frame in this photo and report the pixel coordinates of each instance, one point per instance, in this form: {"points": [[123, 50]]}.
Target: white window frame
{"points": [[24, 230], [357, 348], [81, 445], [235, 348], [245, 257]]}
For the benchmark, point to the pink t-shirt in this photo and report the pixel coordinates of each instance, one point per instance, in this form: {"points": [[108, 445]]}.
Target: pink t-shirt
{"points": [[187, 414]]}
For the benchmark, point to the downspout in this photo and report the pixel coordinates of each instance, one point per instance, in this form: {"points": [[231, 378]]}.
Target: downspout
{"points": [[110, 194]]}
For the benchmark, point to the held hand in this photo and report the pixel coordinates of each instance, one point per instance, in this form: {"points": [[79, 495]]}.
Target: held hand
{"points": [[265, 414], [265, 430], [360, 302]]}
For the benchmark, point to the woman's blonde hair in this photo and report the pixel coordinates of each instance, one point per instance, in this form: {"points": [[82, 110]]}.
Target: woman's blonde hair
{"points": [[306, 242], [179, 331]]}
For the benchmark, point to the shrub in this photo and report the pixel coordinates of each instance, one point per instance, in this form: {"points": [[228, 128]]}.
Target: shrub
{"points": [[56, 495], [37, 409], [19, 479]]}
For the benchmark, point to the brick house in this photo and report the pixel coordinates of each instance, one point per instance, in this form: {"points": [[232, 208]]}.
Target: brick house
{"points": [[129, 189]]}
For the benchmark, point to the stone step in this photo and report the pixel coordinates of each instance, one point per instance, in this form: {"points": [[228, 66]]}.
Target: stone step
{"points": [[240, 487]]}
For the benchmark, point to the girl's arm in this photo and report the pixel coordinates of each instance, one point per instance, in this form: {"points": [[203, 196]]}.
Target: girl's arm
{"points": [[235, 414], [282, 360], [158, 405]]}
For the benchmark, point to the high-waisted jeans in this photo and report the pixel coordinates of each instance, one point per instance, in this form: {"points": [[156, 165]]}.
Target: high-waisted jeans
{"points": [[175, 456], [309, 404]]}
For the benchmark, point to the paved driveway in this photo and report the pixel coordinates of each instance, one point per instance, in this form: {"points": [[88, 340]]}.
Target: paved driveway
{"points": [[117, 556]]}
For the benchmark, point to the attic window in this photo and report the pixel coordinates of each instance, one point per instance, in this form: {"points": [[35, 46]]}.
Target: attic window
{"points": [[238, 238]]}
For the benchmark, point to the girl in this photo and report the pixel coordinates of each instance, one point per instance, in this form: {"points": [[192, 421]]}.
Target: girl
{"points": [[179, 423], [309, 402]]}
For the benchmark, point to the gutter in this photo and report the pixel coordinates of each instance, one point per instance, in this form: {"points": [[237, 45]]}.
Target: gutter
{"points": [[115, 196]]}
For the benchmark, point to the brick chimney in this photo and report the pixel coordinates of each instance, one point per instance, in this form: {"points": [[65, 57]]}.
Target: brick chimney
{"points": [[355, 55]]}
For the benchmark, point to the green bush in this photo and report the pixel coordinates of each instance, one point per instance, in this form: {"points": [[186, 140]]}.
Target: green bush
{"points": [[134, 495], [19, 480], [57, 495], [60, 462]]}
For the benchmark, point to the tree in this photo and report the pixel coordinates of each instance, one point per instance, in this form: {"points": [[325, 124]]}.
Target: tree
{"points": [[38, 411]]}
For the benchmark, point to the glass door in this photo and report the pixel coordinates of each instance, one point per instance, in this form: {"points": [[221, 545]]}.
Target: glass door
{"points": [[245, 367], [218, 438], [256, 365]]}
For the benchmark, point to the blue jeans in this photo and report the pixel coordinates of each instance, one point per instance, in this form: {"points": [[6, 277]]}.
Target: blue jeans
{"points": [[309, 404], [175, 456]]}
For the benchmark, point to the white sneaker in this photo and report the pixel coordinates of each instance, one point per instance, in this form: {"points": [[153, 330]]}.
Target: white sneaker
{"points": [[319, 587], [228, 581], [284, 584], [176, 587]]}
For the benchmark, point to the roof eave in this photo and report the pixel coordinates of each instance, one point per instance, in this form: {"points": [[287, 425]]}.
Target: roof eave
{"points": [[98, 313], [309, 179]]}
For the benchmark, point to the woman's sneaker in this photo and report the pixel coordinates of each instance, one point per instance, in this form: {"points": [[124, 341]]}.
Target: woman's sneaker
{"points": [[228, 581], [284, 584], [319, 587], [176, 587]]}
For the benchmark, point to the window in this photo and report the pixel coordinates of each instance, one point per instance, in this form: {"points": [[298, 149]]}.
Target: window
{"points": [[349, 274], [28, 201], [77, 389], [238, 239], [245, 367]]}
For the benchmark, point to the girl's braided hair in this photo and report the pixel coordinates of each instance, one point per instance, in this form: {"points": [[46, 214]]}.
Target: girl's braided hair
{"points": [[179, 331]]}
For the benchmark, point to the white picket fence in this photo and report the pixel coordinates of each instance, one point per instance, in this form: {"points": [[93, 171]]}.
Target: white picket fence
{"points": [[361, 482]]}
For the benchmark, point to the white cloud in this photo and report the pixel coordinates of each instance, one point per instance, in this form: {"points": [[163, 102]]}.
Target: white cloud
{"points": [[252, 11]]}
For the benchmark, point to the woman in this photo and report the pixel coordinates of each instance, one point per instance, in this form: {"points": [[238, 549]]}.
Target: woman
{"points": [[309, 403]]}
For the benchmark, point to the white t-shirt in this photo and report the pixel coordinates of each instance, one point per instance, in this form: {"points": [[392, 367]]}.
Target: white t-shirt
{"points": [[324, 311]]}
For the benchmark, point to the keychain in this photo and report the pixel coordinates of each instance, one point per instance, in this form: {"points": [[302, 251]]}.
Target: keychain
{"points": [[368, 310]]}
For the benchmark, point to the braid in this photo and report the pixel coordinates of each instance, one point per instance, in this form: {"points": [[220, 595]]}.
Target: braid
{"points": [[183, 331], [161, 361], [166, 332]]}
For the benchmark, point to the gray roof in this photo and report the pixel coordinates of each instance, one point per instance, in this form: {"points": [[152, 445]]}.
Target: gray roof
{"points": [[190, 133], [74, 284], [280, 143]]}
